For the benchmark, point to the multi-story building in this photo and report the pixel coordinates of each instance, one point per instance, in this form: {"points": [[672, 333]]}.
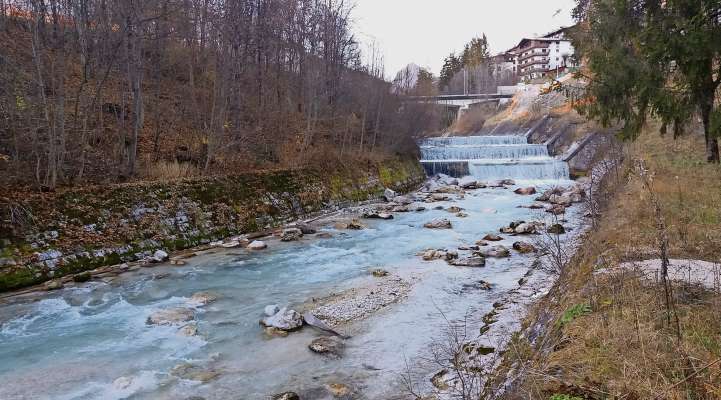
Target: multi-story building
{"points": [[549, 55]]}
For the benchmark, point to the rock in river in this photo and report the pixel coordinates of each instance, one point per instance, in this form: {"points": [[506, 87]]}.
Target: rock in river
{"points": [[523, 247], [492, 238], [475, 261], [389, 194], [160, 256], [327, 345], [496, 252], [556, 229], [306, 229], [377, 215], [525, 229], [525, 191], [257, 245], [379, 273], [291, 234], [171, 316], [286, 396], [356, 225], [440, 223], [285, 320], [202, 299]]}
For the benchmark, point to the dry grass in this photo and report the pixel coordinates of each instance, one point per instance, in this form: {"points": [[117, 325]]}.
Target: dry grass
{"points": [[169, 170], [624, 348]]}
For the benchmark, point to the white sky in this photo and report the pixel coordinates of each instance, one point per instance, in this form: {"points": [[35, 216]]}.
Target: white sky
{"points": [[426, 31]]}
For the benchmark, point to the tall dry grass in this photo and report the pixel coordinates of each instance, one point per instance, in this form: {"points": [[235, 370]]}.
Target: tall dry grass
{"points": [[624, 347]]}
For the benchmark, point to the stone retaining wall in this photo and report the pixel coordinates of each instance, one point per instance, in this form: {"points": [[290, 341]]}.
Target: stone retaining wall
{"points": [[46, 236]]}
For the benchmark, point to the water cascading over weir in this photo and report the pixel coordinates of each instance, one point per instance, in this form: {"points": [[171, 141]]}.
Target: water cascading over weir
{"points": [[490, 157]]}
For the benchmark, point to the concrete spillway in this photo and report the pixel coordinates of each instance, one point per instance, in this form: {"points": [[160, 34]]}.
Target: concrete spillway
{"points": [[490, 157]]}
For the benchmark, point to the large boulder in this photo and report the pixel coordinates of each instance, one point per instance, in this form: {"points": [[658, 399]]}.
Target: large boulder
{"points": [[291, 235], [556, 209], [306, 229], [356, 225], [440, 223], [257, 245], [524, 247], [285, 320], [556, 229], [160, 256], [430, 255], [525, 191], [496, 252], [492, 238], [403, 200], [475, 261], [564, 200], [171, 316], [525, 229], [439, 197], [326, 345], [377, 215], [389, 194]]}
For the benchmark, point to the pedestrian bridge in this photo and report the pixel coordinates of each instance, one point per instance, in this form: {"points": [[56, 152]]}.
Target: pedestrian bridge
{"points": [[459, 103]]}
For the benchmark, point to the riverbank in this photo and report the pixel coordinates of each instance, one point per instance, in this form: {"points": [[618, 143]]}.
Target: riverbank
{"points": [[606, 330], [55, 235], [223, 350]]}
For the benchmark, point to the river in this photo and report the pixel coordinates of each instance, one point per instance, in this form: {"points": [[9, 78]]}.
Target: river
{"points": [[77, 342]]}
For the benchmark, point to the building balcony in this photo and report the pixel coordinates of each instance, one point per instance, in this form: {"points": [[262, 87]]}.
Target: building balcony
{"points": [[542, 60], [543, 51]]}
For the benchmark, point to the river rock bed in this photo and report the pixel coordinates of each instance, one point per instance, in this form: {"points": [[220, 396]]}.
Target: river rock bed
{"points": [[357, 303]]}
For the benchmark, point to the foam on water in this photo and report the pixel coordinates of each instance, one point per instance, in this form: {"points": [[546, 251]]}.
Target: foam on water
{"points": [[491, 157]]}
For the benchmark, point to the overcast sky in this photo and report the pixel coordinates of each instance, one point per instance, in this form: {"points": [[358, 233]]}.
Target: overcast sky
{"points": [[426, 31]]}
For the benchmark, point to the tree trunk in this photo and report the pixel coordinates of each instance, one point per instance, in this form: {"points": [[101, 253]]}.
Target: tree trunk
{"points": [[712, 151]]}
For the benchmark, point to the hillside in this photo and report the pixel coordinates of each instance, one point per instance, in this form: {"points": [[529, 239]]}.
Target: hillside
{"points": [[87, 96]]}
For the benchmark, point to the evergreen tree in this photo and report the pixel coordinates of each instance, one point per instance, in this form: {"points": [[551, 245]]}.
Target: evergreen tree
{"points": [[424, 85], [451, 66], [475, 52], [659, 58]]}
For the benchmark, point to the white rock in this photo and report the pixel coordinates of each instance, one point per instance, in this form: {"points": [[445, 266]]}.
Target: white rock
{"points": [[285, 320], [271, 310], [160, 256], [231, 244], [257, 245], [389, 194]]}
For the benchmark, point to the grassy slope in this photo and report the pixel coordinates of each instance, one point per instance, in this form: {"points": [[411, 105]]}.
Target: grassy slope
{"points": [[614, 342]]}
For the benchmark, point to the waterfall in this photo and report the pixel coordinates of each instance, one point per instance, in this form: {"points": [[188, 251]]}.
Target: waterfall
{"points": [[490, 157]]}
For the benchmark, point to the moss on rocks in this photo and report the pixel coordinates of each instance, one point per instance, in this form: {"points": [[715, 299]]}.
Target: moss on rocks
{"points": [[92, 227]]}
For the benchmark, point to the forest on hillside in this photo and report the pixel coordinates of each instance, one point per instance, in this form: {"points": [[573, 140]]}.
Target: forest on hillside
{"points": [[106, 91]]}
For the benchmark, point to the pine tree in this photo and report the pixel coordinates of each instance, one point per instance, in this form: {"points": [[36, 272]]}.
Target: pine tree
{"points": [[475, 52], [451, 66], [653, 58]]}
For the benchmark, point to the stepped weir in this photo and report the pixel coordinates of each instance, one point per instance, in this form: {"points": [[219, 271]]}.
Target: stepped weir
{"points": [[490, 157]]}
